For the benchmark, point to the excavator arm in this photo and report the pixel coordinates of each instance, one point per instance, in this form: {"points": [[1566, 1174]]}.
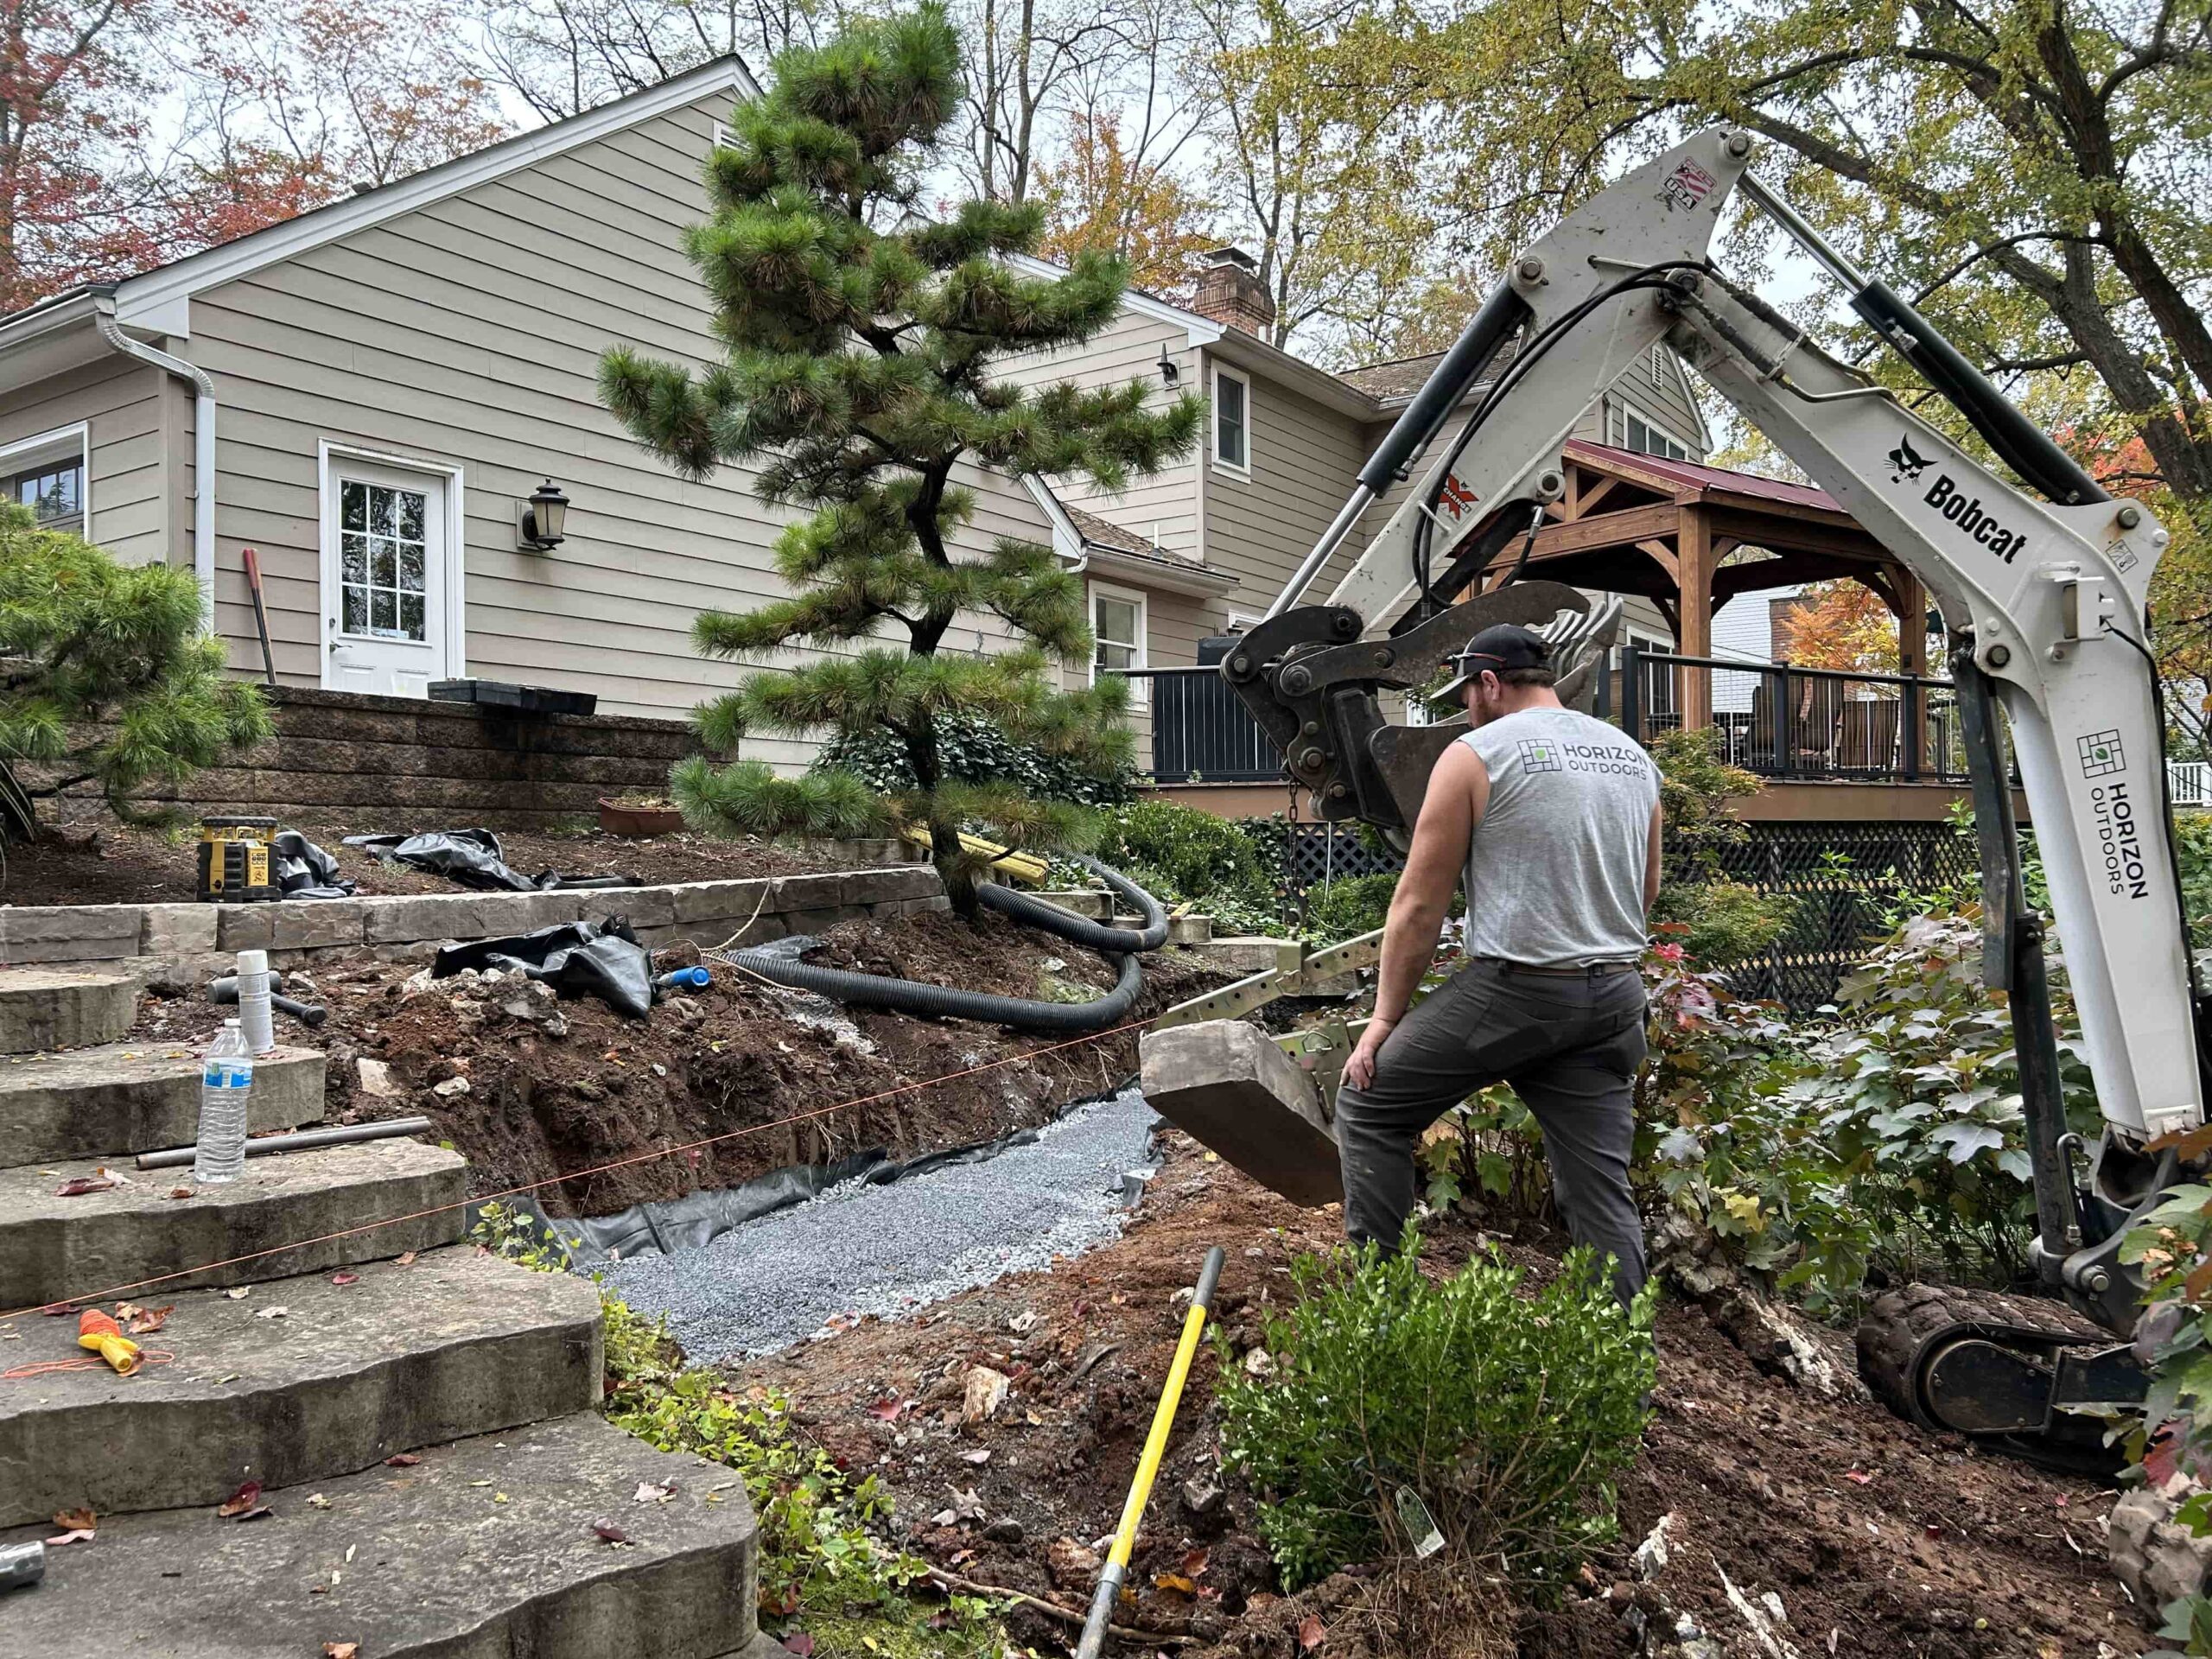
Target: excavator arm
{"points": [[2044, 590]]}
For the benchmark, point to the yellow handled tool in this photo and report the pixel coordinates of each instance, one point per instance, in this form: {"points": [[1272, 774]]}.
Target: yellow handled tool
{"points": [[1155, 1446]]}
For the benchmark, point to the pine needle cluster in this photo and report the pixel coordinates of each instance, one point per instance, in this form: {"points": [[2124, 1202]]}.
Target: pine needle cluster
{"points": [[860, 335], [104, 675]]}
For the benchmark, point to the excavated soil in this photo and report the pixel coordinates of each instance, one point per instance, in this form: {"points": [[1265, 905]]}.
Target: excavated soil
{"points": [[119, 866], [544, 1098], [1878, 1540]]}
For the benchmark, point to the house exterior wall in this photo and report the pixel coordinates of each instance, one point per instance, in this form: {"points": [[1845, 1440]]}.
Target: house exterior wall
{"points": [[466, 333], [138, 428], [1165, 508], [1262, 523]]}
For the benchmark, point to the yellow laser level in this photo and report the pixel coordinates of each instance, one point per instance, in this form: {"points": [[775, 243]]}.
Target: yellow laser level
{"points": [[234, 860]]}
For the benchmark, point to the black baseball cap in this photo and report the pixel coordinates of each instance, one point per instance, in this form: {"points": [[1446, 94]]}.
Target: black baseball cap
{"points": [[1498, 648]]}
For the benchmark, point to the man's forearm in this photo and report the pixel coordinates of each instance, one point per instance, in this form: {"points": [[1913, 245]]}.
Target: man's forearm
{"points": [[1409, 947]]}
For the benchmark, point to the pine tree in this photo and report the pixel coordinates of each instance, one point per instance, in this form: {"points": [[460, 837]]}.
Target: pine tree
{"points": [[107, 677], [861, 334]]}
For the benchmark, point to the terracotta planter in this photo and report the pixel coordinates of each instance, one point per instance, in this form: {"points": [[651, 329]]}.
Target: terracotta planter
{"points": [[622, 818]]}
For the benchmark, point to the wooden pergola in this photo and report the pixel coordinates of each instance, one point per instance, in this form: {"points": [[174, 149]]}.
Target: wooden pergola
{"points": [[1690, 538]]}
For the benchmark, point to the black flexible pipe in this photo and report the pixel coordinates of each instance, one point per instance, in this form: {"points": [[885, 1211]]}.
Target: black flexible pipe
{"points": [[1081, 929], [1020, 1014]]}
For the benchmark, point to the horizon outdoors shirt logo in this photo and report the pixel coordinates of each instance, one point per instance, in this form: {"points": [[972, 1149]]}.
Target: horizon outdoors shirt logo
{"points": [[1538, 755]]}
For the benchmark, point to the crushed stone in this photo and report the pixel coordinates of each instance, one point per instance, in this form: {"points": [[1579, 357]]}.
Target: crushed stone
{"points": [[861, 1250]]}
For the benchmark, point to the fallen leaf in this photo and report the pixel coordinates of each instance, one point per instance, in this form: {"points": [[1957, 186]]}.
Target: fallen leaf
{"points": [[981, 1454], [341, 1650], [405, 1259], [239, 1292], [649, 1493], [270, 1312], [59, 1309], [181, 1191], [144, 1321], [83, 1184], [74, 1520], [610, 1535], [1174, 1581], [1194, 1562], [242, 1500], [887, 1411], [1310, 1632], [342, 1280], [317, 1500], [1858, 1479], [402, 1460], [800, 1643], [259, 1512], [75, 1535]]}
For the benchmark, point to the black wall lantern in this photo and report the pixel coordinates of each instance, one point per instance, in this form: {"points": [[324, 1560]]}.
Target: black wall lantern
{"points": [[1170, 370], [544, 517]]}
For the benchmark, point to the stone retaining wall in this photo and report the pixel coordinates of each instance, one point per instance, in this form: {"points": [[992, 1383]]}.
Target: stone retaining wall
{"points": [[185, 938], [340, 755]]}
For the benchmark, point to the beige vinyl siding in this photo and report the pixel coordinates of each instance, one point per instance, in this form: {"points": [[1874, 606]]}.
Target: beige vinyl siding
{"points": [[1667, 405], [468, 333], [134, 430], [1305, 459], [1165, 507]]}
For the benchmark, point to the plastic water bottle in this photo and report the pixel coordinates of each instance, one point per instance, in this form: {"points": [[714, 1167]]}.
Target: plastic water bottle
{"points": [[255, 1018], [225, 1082]]}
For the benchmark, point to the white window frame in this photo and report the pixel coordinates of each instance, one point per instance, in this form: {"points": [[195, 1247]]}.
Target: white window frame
{"points": [[1689, 449], [25, 454], [1243, 621], [330, 455], [1235, 469], [1140, 691]]}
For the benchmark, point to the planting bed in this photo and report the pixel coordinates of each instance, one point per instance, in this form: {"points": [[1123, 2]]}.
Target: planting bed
{"points": [[119, 866], [1878, 1540]]}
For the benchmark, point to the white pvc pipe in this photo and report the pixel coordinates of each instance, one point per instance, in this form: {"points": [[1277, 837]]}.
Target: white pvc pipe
{"points": [[203, 449]]}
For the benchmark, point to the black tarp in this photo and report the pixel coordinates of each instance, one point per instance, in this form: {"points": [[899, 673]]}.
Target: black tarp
{"points": [[576, 958]]}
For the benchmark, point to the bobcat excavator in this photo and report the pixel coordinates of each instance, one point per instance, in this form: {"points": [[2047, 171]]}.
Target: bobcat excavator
{"points": [[2043, 591]]}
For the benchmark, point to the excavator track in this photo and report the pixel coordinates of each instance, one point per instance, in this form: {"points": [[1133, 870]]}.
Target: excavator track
{"points": [[1999, 1369]]}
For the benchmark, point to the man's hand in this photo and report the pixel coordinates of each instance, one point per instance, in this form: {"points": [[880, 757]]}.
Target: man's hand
{"points": [[1359, 1069]]}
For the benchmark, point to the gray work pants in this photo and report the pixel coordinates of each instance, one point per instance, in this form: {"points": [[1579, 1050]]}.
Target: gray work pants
{"points": [[1569, 1045]]}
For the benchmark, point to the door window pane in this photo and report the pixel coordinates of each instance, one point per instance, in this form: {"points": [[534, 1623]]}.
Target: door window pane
{"points": [[384, 556]]}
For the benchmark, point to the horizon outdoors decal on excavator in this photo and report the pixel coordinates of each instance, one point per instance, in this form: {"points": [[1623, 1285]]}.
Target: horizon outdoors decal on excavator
{"points": [[1907, 464], [2117, 838]]}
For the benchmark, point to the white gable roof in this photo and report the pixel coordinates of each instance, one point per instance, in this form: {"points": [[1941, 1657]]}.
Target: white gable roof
{"points": [[158, 302]]}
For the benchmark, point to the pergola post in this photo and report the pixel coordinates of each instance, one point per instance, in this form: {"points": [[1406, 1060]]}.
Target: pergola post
{"points": [[1912, 661], [1693, 614]]}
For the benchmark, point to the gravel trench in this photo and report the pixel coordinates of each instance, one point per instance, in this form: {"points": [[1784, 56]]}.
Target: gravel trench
{"points": [[860, 1250]]}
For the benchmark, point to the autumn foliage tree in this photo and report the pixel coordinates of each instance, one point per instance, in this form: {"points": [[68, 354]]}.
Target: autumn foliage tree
{"points": [[861, 338], [1101, 199], [1841, 625]]}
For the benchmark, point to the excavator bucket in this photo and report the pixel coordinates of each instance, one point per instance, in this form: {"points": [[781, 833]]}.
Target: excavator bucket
{"points": [[1229, 1088]]}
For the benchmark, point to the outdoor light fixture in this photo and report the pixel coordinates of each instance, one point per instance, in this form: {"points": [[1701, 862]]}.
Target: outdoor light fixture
{"points": [[544, 515], [1170, 370]]}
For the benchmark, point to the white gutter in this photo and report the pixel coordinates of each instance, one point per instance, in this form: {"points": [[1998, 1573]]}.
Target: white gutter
{"points": [[203, 447]]}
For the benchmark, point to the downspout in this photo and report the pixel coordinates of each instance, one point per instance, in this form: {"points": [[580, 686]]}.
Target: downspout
{"points": [[203, 447]]}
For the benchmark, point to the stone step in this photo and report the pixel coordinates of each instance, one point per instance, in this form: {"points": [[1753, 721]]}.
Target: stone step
{"points": [[53, 1247], [123, 1098], [60, 1006], [483, 1550], [455, 1343]]}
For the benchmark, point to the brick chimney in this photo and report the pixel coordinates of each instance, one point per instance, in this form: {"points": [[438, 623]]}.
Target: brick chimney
{"points": [[1230, 291]]}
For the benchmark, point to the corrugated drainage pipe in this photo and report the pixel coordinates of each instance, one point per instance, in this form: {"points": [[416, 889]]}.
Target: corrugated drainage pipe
{"points": [[1020, 1014]]}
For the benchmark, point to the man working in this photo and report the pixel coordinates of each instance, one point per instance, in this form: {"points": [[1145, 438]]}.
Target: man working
{"points": [[1555, 819]]}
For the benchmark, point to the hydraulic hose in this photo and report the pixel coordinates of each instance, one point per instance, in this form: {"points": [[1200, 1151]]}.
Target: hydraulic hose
{"points": [[1019, 1013]]}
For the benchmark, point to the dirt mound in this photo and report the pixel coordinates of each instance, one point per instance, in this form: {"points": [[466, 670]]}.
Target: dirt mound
{"points": [[1873, 1539], [530, 1089]]}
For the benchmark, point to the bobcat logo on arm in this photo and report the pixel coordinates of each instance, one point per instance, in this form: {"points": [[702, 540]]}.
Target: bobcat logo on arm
{"points": [[1907, 463]]}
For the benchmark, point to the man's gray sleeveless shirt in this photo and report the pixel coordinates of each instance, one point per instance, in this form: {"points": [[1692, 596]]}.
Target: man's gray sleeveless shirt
{"points": [[1555, 872]]}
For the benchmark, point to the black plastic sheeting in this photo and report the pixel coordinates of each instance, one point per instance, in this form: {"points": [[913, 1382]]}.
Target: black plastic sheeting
{"points": [[695, 1220], [471, 858], [305, 871], [576, 958]]}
